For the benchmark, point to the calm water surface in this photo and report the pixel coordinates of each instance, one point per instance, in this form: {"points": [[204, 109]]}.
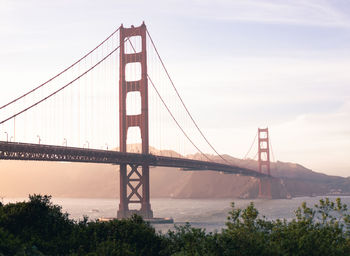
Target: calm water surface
{"points": [[210, 214]]}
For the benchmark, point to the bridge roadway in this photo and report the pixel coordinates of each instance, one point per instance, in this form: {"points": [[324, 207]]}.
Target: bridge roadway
{"points": [[40, 152]]}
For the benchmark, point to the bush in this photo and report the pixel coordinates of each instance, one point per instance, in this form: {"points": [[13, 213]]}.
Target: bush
{"points": [[38, 227]]}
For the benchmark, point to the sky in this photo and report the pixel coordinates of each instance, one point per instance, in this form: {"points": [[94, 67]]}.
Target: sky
{"points": [[239, 64]]}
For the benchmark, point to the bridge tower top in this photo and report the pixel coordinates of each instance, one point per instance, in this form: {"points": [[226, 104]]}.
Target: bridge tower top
{"points": [[140, 120], [264, 150]]}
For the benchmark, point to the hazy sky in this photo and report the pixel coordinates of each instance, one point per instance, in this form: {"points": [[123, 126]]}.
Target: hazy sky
{"points": [[239, 64]]}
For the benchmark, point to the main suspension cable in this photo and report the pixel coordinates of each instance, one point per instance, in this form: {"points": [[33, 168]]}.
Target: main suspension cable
{"points": [[183, 103], [250, 146], [173, 117], [60, 89], [63, 71], [273, 155], [169, 111]]}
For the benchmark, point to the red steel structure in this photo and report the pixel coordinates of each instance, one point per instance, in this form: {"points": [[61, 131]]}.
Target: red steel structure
{"points": [[134, 178], [134, 167], [264, 162]]}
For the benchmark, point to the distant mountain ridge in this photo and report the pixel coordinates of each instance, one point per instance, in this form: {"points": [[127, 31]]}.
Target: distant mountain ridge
{"points": [[20, 178], [296, 180]]}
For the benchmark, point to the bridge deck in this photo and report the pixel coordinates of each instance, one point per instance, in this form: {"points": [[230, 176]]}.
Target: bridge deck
{"points": [[39, 152]]}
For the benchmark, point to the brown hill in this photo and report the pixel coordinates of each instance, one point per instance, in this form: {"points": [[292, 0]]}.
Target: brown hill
{"points": [[20, 178]]}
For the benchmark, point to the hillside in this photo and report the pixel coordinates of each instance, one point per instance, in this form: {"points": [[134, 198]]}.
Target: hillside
{"points": [[20, 178]]}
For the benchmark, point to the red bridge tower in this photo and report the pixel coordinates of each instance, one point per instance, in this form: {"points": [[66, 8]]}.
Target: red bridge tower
{"points": [[134, 179], [264, 163]]}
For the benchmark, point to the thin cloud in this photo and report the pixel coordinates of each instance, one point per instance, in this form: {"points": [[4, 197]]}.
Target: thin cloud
{"points": [[311, 13], [319, 141]]}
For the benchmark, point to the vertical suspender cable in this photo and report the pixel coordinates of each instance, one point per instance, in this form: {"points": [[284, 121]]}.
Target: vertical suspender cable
{"points": [[191, 117]]}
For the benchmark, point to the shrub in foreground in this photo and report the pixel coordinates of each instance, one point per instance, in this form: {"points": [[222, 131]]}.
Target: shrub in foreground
{"points": [[38, 227]]}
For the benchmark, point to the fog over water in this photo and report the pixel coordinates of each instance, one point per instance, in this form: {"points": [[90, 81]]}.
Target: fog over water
{"points": [[210, 214]]}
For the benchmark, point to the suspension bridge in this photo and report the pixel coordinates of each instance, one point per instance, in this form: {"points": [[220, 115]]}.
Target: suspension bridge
{"points": [[75, 116]]}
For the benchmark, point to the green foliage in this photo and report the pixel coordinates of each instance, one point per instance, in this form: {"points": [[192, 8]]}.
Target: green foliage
{"points": [[118, 237], [186, 240], [246, 234], [319, 231], [37, 224], [38, 227]]}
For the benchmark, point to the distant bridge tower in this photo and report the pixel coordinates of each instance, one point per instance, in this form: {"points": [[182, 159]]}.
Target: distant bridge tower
{"points": [[264, 163], [134, 179]]}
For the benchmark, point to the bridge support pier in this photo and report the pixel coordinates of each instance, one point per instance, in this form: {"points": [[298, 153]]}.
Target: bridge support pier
{"points": [[134, 189], [265, 188], [134, 179]]}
